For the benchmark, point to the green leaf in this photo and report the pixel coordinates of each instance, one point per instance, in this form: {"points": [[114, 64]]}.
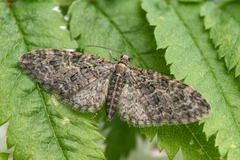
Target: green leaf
{"points": [[64, 2], [190, 138], [192, 58], [100, 24], [223, 23], [40, 126], [120, 140], [4, 156], [190, 0], [221, 2]]}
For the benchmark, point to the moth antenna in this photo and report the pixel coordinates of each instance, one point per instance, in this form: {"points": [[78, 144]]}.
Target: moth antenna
{"points": [[136, 62], [112, 56], [103, 48], [112, 50]]}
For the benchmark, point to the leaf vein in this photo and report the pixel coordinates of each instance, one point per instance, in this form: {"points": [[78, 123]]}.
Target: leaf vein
{"points": [[45, 108], [121, 33]]}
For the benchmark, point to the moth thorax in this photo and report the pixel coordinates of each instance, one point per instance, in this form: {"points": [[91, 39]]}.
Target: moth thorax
{"points": [[121, 68]]}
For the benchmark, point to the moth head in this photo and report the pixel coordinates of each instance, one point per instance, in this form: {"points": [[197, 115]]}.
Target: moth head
{"points": [[126, 57]]}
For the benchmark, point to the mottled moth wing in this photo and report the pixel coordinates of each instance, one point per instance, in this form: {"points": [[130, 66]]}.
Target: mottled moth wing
{"points": [[77, 78], [150, 98], [131, 108]]}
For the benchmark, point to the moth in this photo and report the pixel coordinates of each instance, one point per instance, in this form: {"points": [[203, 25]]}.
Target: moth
{"points": [[142, 97]]}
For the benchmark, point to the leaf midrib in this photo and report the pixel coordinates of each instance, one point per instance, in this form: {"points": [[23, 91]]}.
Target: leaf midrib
{"points": [[49, 120], [39, 90]]}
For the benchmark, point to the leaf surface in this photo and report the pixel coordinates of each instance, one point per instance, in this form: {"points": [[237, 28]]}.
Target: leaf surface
{"points": [[4, 156], [190, 0], [224, 25], [192, 58], [40, 126]]}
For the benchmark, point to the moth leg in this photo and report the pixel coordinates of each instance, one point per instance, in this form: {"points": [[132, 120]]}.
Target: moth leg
{"points": [[95, 115]]}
